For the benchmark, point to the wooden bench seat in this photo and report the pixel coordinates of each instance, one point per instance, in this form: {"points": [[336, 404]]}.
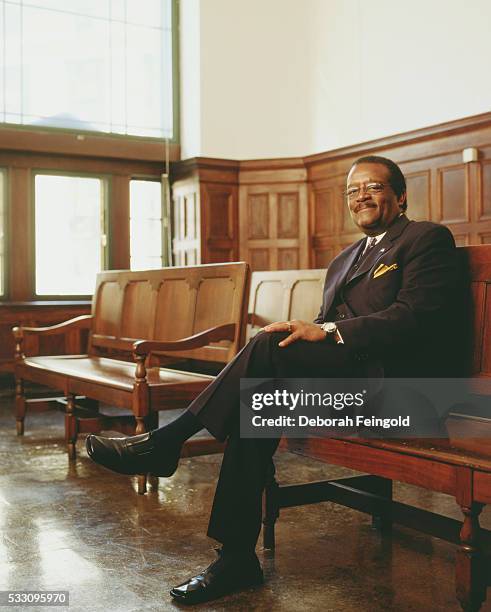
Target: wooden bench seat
{"points": [[140, 322], [459, 466], [109, 372]]}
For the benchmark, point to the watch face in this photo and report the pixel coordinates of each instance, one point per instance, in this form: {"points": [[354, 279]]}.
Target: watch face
{"points": [[330, 328]]}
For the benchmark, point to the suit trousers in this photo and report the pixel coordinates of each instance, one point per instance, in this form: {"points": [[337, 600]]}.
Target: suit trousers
{"points": [[247, 463]]}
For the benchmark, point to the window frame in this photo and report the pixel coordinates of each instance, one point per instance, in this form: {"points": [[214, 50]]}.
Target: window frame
{"points": [[21, 155], [105, 227], [176, 136], [164, 225], [4, 193]]}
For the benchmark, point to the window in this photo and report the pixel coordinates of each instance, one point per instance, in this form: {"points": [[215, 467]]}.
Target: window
{"points": [[69, 234], [97, 65], [146, 225]]}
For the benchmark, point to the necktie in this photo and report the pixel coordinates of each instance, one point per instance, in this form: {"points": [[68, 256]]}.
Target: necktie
{"points": [[371, 242]]}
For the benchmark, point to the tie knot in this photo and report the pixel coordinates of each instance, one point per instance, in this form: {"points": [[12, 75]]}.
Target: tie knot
{"points": [[371, 243]]}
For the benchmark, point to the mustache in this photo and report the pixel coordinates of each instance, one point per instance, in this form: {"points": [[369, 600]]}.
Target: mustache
{"points": [[368, 204]]}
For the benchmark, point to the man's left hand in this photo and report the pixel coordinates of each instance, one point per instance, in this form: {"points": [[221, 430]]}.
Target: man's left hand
{"points": [[299, 330]]}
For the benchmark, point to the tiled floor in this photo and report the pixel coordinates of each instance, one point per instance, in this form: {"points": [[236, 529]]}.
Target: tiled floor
{"points": [[83, 529]]}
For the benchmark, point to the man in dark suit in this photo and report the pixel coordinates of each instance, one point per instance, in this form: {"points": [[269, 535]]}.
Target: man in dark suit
{"points": [[387, 310]]}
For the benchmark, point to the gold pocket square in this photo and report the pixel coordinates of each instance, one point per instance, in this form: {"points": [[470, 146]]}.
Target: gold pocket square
{"points": [[382, 269]]}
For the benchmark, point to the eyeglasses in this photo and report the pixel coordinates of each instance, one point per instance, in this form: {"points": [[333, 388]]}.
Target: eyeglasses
{"points": [[371, 188]]}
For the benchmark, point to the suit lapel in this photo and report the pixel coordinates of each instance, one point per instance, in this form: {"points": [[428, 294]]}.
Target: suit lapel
{"points": [[382, 247], [338, 277]]}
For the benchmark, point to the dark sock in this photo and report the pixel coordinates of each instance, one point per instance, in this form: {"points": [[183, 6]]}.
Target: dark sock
{"points": [[239, 551], [179, 430]]}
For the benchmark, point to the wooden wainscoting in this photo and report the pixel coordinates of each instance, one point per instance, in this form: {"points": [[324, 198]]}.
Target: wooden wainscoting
{"points": [[290, 213], [273, 215], [205, 211]]}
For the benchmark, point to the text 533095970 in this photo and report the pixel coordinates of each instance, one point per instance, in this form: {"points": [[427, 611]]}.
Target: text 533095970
{"points": [[34, 598]]}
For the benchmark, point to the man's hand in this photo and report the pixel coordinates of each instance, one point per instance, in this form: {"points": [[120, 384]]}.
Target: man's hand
{"points": [[299, 330]]}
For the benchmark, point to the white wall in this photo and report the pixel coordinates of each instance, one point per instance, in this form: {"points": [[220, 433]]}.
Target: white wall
{"points": [[388, 66], [281, 78], [252, 78]]}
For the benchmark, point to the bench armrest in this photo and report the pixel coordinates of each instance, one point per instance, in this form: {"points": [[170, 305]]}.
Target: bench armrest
{"points": [[214, 334], [82, 322]]}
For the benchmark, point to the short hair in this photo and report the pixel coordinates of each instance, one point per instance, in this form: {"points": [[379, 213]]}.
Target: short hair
{"points": [[396, 178]]}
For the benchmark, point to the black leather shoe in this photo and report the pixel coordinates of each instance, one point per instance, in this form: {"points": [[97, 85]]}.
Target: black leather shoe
{"points": [[133, 455], [226, 575]]}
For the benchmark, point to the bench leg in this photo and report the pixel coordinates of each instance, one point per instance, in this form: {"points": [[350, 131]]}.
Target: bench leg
{"points": [[141, 478], [383, 487], [20, 406], [469, 568], [271, 511], [71, 427]]}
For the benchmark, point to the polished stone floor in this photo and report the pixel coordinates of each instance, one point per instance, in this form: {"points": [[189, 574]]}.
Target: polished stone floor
{"points": [[83, 529]]}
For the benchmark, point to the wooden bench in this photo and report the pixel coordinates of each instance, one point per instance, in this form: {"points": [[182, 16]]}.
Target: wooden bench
{"points": [[139, 319], [283, 295], [459, 466]]}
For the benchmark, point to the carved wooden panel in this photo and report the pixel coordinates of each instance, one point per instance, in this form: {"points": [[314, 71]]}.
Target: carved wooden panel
{"points": [[486, 238], [323, 257], [219, 213], [486, 335], [283, 295], [288, 215], [347, 225], [107, 314], [205, 221], [288, 259], [172, 292], [485, 184], [259, 259], [324, 211], [190, 214], [137, 310], [219, 223], [306, 297], [186, 224], [273, 220], [418, 195], [258, 216], [216, 255], [453, 194]]}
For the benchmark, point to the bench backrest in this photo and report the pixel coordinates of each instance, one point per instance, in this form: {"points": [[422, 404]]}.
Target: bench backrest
{"points": [[476, 262], [282, 295], [169, 304]]}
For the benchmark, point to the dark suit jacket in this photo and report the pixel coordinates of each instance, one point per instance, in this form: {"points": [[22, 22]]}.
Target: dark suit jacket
{"points": [[402, 317]]}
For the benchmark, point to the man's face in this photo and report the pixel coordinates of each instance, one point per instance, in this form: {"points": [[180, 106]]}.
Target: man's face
{"points": [[372, 202]]}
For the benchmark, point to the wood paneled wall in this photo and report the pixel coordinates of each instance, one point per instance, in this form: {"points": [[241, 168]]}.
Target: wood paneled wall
{"points": [[290, 213], [273, 215], [205, 211]]}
